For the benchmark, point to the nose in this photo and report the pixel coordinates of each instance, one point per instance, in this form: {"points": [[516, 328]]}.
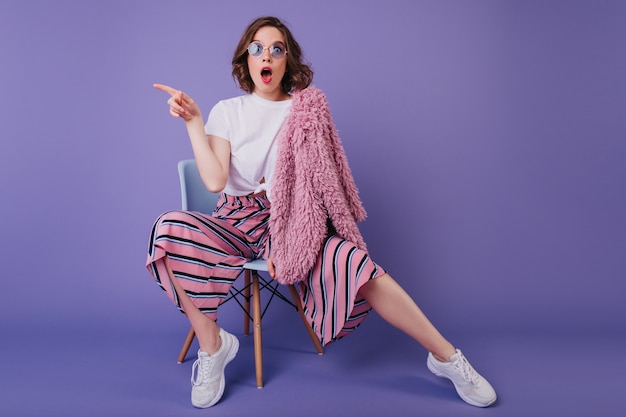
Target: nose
{"points": [[267, 56]]}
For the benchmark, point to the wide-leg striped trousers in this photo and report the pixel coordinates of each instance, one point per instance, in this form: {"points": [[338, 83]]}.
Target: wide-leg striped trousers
{"points": [[205, 253]]}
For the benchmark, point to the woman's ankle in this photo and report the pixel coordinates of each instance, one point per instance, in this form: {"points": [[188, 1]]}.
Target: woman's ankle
{"points": [[209, 338]]}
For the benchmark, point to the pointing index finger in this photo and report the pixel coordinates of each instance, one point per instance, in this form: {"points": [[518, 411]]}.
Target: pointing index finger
{"points": [[167, 89]]}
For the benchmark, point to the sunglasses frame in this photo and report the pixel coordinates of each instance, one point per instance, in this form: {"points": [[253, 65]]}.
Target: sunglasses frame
{"points": [[263, 48]]}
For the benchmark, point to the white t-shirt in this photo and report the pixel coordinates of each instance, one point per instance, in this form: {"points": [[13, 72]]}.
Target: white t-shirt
{"points": [[250, 123]]}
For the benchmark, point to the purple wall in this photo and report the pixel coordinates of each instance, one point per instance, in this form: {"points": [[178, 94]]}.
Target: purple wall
{"points": [[498, 127]]}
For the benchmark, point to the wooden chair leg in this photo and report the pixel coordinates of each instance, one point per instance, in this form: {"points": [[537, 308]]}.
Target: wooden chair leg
{"points": [[258, 350], [296, 301], [186, 345], [246, 302]]}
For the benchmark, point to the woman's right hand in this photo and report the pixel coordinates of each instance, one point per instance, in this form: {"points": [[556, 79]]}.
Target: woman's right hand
{"points": [[212, 153], [181, 105]]}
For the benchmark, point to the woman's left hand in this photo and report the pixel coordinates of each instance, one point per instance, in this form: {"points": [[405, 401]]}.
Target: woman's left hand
{"points": [[270, 267]]}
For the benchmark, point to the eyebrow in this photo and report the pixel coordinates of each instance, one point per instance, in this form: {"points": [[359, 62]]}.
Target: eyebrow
{"points": [[273, 43]]}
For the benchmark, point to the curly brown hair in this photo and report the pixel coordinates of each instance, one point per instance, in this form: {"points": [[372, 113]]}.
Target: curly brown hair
{"points": [[298, 75]]}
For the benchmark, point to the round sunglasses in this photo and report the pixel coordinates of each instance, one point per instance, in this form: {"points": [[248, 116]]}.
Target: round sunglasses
{"points": [[277, 50]]}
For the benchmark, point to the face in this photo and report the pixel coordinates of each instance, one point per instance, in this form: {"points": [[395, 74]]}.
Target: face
{"points": [[266, 71]]}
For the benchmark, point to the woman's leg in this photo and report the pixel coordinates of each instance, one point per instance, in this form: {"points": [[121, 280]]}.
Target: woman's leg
{"points": [[394, 305], [207, 331], [397, 307], [195, 258]]}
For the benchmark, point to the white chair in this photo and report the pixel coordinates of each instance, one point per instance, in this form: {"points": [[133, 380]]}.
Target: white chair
{"points": [[196, 197]]}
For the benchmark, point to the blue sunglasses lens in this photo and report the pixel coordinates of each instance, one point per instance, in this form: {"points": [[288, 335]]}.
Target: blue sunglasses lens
{"points": [[255, 49], [277, 51]]}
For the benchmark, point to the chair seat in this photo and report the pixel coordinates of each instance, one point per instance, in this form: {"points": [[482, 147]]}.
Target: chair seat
{"points": [[257, 265]]}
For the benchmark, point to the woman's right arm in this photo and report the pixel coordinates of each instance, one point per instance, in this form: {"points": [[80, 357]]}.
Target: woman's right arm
{"points": [[212, 153]]}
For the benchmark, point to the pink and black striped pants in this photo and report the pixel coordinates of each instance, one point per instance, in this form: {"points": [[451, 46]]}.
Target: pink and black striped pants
{"points": [[206, 254]]}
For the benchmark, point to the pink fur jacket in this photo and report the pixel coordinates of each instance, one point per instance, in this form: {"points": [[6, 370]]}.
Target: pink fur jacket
{"points": [[312, 184]]}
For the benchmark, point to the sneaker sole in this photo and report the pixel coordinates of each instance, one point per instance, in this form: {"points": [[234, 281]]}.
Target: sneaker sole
{"points": [[436, 372], [231, 355]]}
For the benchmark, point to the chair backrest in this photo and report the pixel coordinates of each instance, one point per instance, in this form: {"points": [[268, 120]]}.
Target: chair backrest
{"points": [[194, 194]]}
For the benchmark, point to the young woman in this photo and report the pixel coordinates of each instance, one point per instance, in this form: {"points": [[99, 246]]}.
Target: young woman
{"points": [[287, 195]]}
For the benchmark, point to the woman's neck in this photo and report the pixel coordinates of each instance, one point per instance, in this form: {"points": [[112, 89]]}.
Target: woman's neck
{"points": [[274, 96]]}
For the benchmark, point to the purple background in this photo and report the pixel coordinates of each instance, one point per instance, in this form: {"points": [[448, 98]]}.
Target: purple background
{"points": [[488, 141]]}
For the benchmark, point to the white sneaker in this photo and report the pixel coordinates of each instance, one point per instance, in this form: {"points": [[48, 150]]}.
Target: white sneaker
{"points": [[469, 384], [207, 374]]}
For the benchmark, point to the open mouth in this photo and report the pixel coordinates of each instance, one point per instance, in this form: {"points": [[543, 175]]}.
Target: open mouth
{"points": [[266, 75]]}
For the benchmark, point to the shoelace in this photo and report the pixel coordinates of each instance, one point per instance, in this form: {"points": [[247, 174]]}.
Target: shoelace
{"points": [[468, 372], [201, 370]]}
